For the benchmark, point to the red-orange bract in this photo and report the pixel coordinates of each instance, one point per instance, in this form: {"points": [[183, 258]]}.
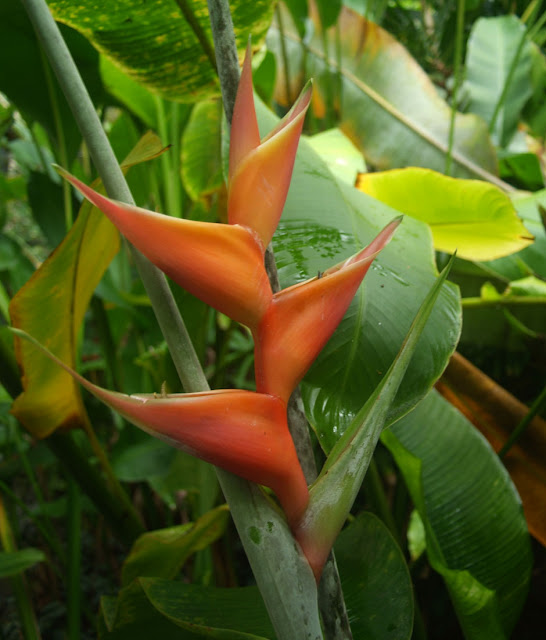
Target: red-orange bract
{"points": [[223, 265]]}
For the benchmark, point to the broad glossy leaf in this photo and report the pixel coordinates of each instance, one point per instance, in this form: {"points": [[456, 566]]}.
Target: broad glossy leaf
{"points": [[343, 159], [496, 413], [51, 306], [492, 45], [522, 169], [375, 579], [471, 217], [163, 553], [226, 613], [176, 611], [154, 44], [15, 562], [201, 150], [387, 104], [477, 537], [332, 495], [129, 92], [325, 222]]}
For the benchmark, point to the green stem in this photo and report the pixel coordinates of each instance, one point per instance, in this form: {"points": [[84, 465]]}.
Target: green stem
{"points": [[507, 82], [107, 343], [53, 537], [502, 301], [330, 595], [19, 583], [284, 56], [457, 73], [176, 177], [376, 494], [169, 179], [536, 408], [227, 61], [61, 140], [74, 602]]}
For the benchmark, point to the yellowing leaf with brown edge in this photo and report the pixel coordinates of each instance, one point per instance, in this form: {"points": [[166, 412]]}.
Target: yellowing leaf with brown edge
{"points": [[472, 217], [51, 306]]}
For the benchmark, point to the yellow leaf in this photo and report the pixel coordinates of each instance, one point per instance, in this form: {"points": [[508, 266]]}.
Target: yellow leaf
{"points": [[51, 307], [474, 218]]}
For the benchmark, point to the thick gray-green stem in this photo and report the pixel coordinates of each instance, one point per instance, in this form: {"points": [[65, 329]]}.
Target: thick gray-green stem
{"points": [[285, 579], [330, 594]]}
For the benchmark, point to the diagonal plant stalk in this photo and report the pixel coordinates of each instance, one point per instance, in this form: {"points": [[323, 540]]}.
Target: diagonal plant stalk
{"points": [[457, 76], [330, 595], [282, 572]]}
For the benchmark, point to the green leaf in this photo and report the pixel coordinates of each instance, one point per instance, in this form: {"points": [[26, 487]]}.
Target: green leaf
{"points": [[25, 83], [492, 47], [476, 533], [68, 277], [332, 495], [45, 198], [522, 169], [387, 104], [15, 562], [472, 217], [130, 93], [229, 614], [343, 159], [325, 222], [140, 461], [154, 607], [328, 11], [153, 43], [163, 553], [375, 579], [534, 112], [201, 150]]}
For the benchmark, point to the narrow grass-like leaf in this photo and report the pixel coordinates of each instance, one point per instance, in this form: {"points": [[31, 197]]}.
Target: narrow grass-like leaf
{"points": [[333, 493]]}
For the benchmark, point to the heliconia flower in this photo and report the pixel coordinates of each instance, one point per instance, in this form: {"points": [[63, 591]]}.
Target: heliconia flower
{"points": [[240, 431], [260, 171], [300, 320], [221, 264]]}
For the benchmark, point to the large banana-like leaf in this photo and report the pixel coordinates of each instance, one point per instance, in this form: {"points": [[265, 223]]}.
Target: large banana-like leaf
{"points": [[154, 43], [476, 534], [496, 91], [386, 102], [471, 217]]}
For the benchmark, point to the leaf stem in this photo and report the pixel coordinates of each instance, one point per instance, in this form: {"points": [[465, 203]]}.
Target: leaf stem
{"points": [[459, 34], [502, 301], [61, 140], [284, 56], [19, 583], [74, 601], [507, 82]]}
